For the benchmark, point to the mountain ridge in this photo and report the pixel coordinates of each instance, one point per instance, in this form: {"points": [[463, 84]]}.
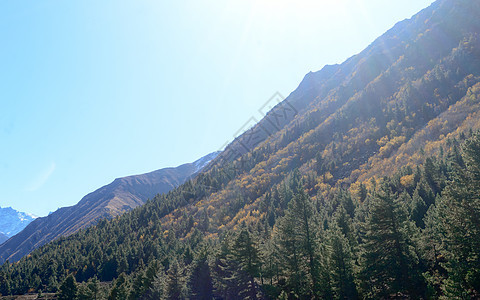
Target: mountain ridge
{"points": [[109, 201], [3, 238]]}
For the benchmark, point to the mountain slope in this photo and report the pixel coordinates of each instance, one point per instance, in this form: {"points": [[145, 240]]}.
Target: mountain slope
{"points": [[13, 221], [351, 124], [3, 238], [109, 201], [413, 92]]}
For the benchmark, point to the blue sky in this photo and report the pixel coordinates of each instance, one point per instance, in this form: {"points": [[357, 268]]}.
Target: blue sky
{"points": [[94, 90]]}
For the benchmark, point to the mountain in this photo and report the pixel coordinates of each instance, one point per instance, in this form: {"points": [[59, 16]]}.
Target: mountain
{"points": [[3, 238], [109, 201], [406, 96], [362, 183], [12, 221]]}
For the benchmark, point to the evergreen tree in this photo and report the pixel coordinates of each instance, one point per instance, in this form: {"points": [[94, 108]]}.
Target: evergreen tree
{"points": [[139, 286], [68, 289], [341, 260], [298, 247], [246, 254], [158, 290], [431, 174], [389, 264], [94, 286], [119, 290], [4, 284], [176, 285], [431, 251], [230, 281], [200, 283], [459, 218], [418, 208], [84, 293]]}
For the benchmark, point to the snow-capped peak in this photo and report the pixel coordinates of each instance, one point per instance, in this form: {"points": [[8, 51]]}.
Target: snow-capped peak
{"points": [[13, 221], [203, 162]]}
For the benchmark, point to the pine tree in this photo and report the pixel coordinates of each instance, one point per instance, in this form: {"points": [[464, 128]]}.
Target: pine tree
{"points": [[200, 282], [94, 286], [139, 286], [459, 218], [230, 281], [4, 284], [345, 224], [143, 281], [298, 247], [119, 290], [68, 289], [431, 251], [418, 208], [431, 173], [246, 254], [158, 290], [341, 265], [270, 262], [176, 285], [84, 293], [341, 256], [388, 261]]}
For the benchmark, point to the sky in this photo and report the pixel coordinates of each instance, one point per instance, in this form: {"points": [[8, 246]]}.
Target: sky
{"points": [[94, 90]]}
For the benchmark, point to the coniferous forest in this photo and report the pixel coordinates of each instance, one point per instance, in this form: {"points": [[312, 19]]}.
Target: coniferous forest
{"points": [[414, 235], [368, 187]]}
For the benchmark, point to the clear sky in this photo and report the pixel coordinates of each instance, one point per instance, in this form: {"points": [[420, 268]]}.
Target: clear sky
{"points": [[93, 90]]}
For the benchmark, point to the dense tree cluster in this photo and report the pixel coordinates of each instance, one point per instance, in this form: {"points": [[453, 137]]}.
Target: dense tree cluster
{"points": [[418, 238]]}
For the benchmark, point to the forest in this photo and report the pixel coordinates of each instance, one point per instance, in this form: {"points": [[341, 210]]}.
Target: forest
{"points": [[414, 234]]}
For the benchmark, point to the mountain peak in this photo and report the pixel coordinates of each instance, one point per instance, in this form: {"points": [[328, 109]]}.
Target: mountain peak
{"points": [[13, 221]]}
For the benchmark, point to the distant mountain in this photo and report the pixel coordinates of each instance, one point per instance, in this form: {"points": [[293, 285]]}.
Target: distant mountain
{"points": [[109, 201], [13, 221], [3, 238]]}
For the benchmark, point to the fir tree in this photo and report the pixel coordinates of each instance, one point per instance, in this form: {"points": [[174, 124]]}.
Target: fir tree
{"points": [[246, 254], [298, 246], [230, 281], [341, 259], [119, 290], [68, 289], [459, 217], [388, 260], [176, 288], [158, 290], [200, 283], [94, 286], [4, 284]]}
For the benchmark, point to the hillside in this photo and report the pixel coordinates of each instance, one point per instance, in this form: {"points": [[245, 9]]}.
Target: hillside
{"points": [[3, 238], [109, 201], [355, 186], [397, 101]]}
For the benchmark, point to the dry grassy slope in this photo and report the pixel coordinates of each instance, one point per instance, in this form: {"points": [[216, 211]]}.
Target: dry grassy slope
{"points": [[369, 115], [121, 195]]}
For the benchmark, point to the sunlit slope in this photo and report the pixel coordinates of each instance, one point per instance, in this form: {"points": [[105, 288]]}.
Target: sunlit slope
{"points": [[400, 99]]}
